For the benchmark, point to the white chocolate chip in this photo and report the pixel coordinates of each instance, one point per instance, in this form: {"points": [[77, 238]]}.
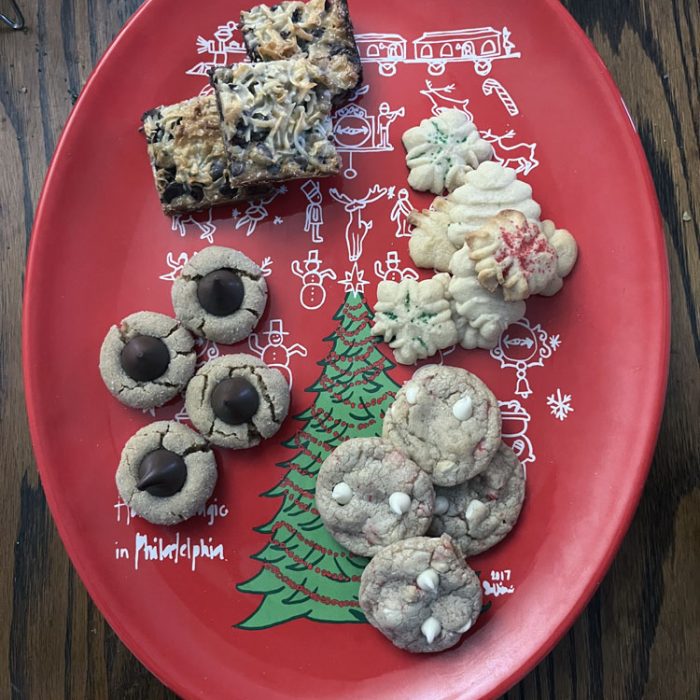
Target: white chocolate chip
{"points": [[476, 513], [442, 505], [412, 393], [399, 502], [428, 580], [431, 628], [462, 410], [445, 467], [341, 493], [465, 628]]}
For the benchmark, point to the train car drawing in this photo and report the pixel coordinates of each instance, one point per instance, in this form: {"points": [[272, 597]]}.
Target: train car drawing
{"points": [[481, 46], [386, 50]]}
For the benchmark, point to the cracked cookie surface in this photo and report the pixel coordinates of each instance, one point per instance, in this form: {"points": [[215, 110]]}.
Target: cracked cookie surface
{"points": [[481, 512], [369, 495], [199, 482], [178, 361], [421, 594], [447, 421], [230, 327], [263, 422]]}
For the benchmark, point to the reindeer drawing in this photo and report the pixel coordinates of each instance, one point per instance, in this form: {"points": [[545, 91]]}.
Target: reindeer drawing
{"points": [[519, 156], [357, 228], [207, 228], [439, 98]]}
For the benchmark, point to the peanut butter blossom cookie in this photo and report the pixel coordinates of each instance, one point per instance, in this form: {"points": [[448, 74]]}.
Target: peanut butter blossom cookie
{"points": [[147, 359], [220, 294], [447, 421], [369, 495], [237, 401], [420, 594], [481, 512], [166, 472]]}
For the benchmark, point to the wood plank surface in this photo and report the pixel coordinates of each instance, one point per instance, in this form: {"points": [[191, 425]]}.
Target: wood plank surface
{"points": [[640, 635]]}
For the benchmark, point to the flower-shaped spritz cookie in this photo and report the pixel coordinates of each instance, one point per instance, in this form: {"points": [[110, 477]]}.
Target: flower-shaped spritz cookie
{"points": [[486, 191], [480, 316], [511, 252], [442, 150], [415, 318]]}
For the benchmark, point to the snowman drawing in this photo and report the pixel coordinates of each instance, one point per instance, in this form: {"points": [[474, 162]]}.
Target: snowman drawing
{"points": [[314, 212], [313, 294], [273, 351], [392, 272]]}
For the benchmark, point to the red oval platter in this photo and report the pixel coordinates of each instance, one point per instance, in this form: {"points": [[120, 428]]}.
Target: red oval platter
{"points": [[251, 598]]}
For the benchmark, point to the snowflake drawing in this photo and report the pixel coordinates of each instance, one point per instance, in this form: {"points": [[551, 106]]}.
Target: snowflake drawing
{"points": [[278, 220], [554, 341], [560, 405]]}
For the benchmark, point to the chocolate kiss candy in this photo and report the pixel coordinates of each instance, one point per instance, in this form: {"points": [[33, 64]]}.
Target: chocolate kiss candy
{"points": [[162, 473], [145, 358], [235, 400], [220, 292]]}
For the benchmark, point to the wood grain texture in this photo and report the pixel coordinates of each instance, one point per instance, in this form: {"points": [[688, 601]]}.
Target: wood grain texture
{"points": [[639, 636]]}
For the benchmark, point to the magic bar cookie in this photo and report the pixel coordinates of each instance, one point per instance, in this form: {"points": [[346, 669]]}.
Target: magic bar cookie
{"points": [[237, 401], [481, 512], [166, 472], [420, 594], [369, 495], [220, 294], [188, 157], [447, 421], [319, 30], [147, 359], [275, 121]]}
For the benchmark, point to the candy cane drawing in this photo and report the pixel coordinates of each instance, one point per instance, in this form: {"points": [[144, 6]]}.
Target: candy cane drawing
{"points": [[491, 85]]}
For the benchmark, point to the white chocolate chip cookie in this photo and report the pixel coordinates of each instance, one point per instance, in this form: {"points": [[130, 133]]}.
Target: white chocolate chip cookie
{"points": [[447, 421], [481, 512], [421, 594], [369, 495]]}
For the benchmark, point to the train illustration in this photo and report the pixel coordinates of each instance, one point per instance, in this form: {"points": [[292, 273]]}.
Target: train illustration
{"points": [[480, 46]]}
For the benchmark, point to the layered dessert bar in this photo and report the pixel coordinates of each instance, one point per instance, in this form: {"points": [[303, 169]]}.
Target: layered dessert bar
{"points": [[187, 153], [275, 122], [319, 30]]}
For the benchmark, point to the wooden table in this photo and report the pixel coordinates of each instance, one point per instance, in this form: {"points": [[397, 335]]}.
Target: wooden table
{"points": [[639, 636]]}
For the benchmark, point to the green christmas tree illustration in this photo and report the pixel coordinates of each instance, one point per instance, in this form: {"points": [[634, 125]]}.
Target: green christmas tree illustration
{"points": [[305, 572]]}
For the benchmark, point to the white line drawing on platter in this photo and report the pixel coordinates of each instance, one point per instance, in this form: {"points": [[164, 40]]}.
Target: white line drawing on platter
{"points": [[560, 405], [357, 228], [491, 85], [354, 280], [392, 272], [206, 350], [399, 214], [265, 266], [480, 46], [181, 416], [519, 156], [221, 50], [312, 295], [515, 421], [175, 264], [497, 583], [522, 346], [442, 354], [273, 351], [314, 210], [357, 131], [441, 99], [256, 211], [180, 222]]}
